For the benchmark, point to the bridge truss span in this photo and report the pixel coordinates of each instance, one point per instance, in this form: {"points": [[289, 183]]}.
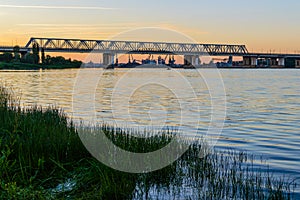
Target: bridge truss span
{"points": [[119, 47]]}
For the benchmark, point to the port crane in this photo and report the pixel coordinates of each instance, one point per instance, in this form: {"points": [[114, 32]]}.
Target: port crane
{"points": [[150, 60]]}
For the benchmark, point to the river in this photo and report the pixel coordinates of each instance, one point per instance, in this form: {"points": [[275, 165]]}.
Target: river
{"points": [[262, 111]]}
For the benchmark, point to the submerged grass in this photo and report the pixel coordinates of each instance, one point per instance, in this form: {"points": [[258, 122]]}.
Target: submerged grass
{"points": [[42, 157]]}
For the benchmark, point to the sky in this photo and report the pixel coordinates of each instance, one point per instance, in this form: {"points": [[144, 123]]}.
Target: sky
{"points": [[262, 25]]}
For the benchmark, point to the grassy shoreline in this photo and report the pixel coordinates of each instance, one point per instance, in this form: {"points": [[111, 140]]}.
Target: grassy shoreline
{"points": [[42, 157], [26, 66]]}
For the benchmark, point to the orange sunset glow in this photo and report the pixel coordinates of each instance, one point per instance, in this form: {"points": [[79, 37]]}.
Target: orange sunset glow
{"points": [[269, 27]]}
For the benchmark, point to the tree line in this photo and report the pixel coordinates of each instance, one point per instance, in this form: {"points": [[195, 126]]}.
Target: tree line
{"points": [[37, 56]]}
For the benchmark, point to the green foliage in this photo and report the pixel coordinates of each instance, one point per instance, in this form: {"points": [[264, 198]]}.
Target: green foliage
{"points": [[28, 62], [16, 49], [43, 56], [14, 192], [28, 58], [36, 53], [19, 66], [6, 57], [41, 149], [31, 61], [38, 139], [17, 56], [59, 62]]}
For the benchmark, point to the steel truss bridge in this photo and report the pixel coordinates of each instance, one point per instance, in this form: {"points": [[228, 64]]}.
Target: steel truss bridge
{"points": [[131, 47]]}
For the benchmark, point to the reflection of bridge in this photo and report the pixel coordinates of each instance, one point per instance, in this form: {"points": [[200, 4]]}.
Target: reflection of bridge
{"points": [[190, 51]]}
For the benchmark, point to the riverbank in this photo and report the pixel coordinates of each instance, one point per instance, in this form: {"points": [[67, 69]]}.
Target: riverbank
{"points": [[42, 157], [26, 66]]}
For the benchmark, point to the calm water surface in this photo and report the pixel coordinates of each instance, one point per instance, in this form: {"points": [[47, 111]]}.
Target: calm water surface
{"points": [[263, 106]]}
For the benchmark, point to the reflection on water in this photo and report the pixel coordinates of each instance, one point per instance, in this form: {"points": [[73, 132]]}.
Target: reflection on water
{"points": [[132, 98], [263, 112]]}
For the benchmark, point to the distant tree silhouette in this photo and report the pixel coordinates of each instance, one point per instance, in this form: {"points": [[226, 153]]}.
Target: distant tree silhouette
{"points": [[43, 56], [29, 58], [6, 57], [62, 62], [36, 52], [16, 50]]}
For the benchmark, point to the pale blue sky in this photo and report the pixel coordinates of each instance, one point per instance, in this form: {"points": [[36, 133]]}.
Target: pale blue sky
{"points": [[264, 24]]}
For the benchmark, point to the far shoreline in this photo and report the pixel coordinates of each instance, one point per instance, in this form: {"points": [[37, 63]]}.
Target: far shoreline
{"points": [[19, 67]]}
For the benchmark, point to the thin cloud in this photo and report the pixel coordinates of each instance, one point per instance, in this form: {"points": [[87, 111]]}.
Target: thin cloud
{"points": [[57, 7], [77, 27], [118, 25]]}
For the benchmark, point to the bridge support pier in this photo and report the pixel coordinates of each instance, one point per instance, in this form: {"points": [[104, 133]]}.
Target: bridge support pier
{"points": [[250, 61], [254, 61], [297, 63], [188, 60], [191, 60], [196, 60], [273, 62], [246, 61], [281, 62], [108, 59]]}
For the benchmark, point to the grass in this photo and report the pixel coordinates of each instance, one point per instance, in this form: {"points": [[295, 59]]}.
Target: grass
{"points": [[42, 157]]}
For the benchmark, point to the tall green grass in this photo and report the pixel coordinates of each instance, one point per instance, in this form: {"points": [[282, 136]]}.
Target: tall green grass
{"points": [[201, 173], [41, 149], [37, 137]]}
